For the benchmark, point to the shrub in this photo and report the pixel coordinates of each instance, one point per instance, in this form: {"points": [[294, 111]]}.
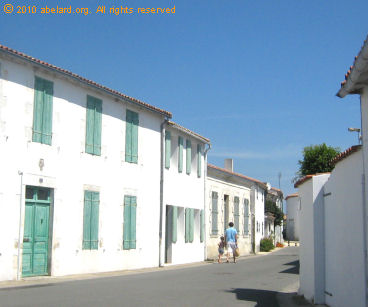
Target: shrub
{"points": [[278, 244], [267, 245]]}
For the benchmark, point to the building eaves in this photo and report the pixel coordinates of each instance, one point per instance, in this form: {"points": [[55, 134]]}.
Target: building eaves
{"points": [[187, 131], [345, 154], [306, 178], [357, 76], [23, 56], [292, 195], [260, 183]]}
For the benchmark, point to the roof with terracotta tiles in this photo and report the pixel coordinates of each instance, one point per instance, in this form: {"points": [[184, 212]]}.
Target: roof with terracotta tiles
{"points": [[181, 128], [306, 178], [262, 184], [65, 72], [292, 195], [345, 154], [356, 73]]}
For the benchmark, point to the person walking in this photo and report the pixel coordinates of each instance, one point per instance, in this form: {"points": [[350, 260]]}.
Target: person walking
{"points": [[231, 238]]}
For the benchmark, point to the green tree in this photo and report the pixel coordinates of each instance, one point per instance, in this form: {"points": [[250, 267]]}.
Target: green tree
{"points": [[316, 159], [276, 211]]}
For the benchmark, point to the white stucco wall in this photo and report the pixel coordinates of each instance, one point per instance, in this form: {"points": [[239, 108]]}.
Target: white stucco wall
{"points": [[232, 190], [344, 248], [293, 210], [69, 170], [259, 204], [184, 191]]}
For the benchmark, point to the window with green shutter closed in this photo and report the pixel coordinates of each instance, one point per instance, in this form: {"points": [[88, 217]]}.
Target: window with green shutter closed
{"points": [[174, 224], [130, 216], [90, 220], [189, 156], [202, 226], [180, 153], [236, 213], [42, 111], [214, 213], [167, 149], [131, 137], [199, 160], [93, 125], [246, 216], [189, 225]]}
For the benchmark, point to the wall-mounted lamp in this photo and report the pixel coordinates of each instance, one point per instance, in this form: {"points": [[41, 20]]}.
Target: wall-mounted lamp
{"points": [[358, 131]]}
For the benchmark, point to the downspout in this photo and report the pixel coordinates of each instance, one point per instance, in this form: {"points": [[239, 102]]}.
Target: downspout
{"points": [[162, 152], [205, 200], [364, 205], [20, 222]]}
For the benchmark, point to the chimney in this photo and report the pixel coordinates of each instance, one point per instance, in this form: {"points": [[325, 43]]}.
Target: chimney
{"points": [[229, 165]]}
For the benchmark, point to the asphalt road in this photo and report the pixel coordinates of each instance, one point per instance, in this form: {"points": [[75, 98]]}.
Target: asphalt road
{"points": [[252, 281]]}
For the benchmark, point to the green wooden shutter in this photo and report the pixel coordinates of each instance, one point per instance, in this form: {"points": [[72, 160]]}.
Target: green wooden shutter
{"points": [[180, 153], [90, 124], [246, 216], [133, 219], [187, 224], [189, 156], [236, 213], [174, 224], [87, 220], [127, 227], [47, 112], [131, 137], [42, 111], [191, 225], [199, 160], [97, 127], [167, 149], [94, 219], [214, 213], [202, 226]]}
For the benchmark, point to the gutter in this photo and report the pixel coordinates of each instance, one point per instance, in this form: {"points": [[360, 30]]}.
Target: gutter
{"points": [[205, 200], [162, 159]]}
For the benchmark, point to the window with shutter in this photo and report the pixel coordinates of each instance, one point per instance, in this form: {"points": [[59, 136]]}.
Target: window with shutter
{"points": [[131, 137], [191, 225], [180, 153], [174, 224], [42, 111], [246, 216], [189, 156], [236, 213], [199, 160], [167, 149], [202, 226], [90, 220], [214, 213], [130, 216], [93, 125], [187, 224]]}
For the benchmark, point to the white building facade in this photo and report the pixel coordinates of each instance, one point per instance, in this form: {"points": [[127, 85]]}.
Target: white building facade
{"points": [[293, 213]]}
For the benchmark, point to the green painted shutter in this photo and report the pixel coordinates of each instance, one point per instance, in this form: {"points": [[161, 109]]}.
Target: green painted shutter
{"points": [[202, 226], [131, 137], [236, 213], [189, 156], [90, 124], [167, 149], [214, 213], [180, 158], [246, 216], [47, 112], [127, 227], [133, 217], [187, 224], [199, 160], [174, 224], [42, 111], [191, 226], [87, 220], [97, 127], [94, 219]]}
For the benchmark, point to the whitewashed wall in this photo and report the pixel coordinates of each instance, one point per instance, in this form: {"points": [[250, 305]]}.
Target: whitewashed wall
{"points": [[69, 170], [184, 191], [226, 188], [259, 204], [293, 211]]}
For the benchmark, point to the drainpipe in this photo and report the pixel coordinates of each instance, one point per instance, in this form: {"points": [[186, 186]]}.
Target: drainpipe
{"points": [[162, 159], [20, 222], [205, 201], [364, 204]]}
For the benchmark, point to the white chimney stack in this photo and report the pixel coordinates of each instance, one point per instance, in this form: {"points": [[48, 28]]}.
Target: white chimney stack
{"points": [[229, 165]]}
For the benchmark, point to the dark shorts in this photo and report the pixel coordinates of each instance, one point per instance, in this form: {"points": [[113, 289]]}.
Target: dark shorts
{"points": [[221, 251]]}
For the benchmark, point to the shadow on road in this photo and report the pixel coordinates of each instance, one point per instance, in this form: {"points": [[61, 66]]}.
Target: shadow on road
{"points": [[263, 298], [294, 269]]}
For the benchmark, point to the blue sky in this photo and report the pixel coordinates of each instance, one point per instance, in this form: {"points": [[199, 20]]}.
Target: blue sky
{"points": [[258, 78]]}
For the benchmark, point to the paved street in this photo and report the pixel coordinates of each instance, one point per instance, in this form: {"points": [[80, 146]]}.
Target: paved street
{"points": [[253, 281]]}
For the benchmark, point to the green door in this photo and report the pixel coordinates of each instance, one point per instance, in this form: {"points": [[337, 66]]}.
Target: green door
{"points": [[36, 232]]}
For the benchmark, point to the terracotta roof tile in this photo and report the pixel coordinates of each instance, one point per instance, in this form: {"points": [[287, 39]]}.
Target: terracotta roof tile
{"points": [[238, 175], [171, 123], [306, 178], [292, 195], [82, 79], [345, 154]]}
